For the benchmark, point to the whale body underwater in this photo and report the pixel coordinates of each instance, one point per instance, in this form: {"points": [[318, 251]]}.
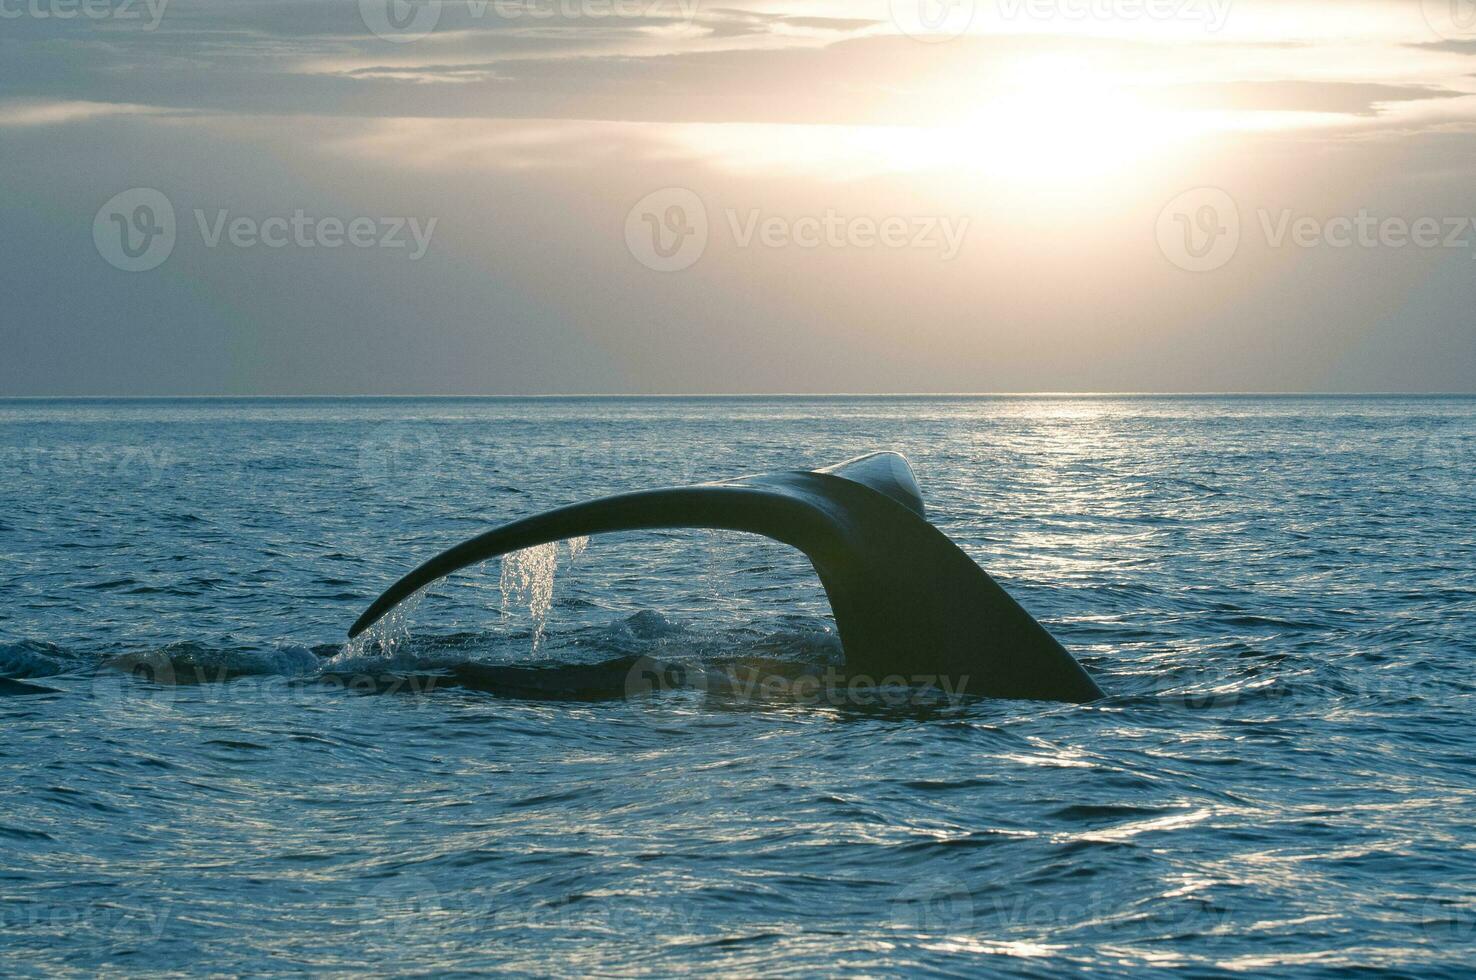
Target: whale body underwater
{"points": [[906, 599]]}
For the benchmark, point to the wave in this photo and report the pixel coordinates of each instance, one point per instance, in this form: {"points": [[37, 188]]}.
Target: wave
{"points": [[35, 658], [645, 651]]}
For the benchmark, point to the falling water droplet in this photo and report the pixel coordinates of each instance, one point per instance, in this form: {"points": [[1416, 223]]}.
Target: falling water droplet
{"points": [[527, 580]]}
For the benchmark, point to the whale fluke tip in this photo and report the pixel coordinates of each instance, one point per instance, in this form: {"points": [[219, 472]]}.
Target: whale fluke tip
{"points": [[887, 473]]}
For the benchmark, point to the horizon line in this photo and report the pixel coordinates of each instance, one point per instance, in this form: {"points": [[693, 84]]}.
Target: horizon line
{"points": [[742, 395]]}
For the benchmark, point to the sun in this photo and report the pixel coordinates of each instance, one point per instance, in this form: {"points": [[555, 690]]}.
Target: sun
{"points": [[1047, 123], [1054, 118]]}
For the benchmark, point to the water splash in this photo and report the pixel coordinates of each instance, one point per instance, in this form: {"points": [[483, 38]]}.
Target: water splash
{"points": [[382, 642], [527, 579]]}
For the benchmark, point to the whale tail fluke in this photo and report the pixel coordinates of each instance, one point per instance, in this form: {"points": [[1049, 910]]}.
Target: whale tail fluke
{"points": [[907, 601]]}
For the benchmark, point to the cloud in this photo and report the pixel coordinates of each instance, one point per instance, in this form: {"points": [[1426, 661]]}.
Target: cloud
{"points": [[1449, 47], [616, 73], [1293, 95], [38, 112]]}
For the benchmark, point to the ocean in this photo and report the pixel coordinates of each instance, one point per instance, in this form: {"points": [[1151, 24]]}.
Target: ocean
{"points": [[1277, 594]]}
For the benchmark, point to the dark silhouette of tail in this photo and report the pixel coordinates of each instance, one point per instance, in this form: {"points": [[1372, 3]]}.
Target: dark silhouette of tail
{"points": [[907, 600]]}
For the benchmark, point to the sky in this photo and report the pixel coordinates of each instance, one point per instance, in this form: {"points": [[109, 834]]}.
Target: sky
{"points": [[334, 197]]}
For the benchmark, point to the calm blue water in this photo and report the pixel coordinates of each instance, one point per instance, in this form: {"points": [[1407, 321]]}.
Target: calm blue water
{"points": [[1279, 596]]}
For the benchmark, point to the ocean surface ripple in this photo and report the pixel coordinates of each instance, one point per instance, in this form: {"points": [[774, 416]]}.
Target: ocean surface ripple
{"points": [[632, 755]]}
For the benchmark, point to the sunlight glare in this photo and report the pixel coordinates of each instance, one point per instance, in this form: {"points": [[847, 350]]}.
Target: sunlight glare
{"points": [[1055, 119]]}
